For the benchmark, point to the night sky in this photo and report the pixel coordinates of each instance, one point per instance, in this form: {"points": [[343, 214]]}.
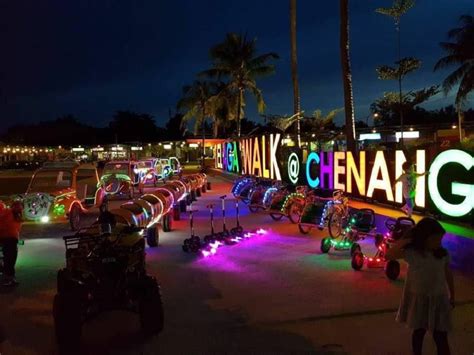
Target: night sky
{"points": [[93, 57]]}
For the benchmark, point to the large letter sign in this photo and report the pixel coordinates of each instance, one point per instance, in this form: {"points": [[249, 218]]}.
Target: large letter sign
{"points": [[464, 190], [313, 156], [380, 165]]}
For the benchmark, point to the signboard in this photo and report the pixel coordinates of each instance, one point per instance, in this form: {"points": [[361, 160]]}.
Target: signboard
{"points": [[447, 186]]}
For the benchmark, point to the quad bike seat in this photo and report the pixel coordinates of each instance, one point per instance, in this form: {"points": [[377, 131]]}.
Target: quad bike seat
{"points": [[365, 220]]}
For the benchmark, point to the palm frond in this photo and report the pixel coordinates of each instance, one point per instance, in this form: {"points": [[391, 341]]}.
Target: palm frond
{"points": [[453, 78], [465, 87]]}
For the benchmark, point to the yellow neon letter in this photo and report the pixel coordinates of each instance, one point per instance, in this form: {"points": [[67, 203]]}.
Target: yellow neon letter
{"points": [[399, 160], [380, 165], [266, 172], [256, 158], [359, 174]]}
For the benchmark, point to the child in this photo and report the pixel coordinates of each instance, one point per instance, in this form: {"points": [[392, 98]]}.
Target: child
{"points": [[426, 303], [408, 179]]}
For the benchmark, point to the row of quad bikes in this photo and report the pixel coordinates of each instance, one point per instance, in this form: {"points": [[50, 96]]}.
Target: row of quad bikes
{"points": [[325, 208], [105, 262]]}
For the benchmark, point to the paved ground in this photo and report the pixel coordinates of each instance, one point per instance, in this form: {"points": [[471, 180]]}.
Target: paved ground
{"points": [[271, 294]]}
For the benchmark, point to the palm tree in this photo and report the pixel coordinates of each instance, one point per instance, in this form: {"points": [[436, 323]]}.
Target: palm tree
{"points": [[294, 69], [459, 52], [222, 107], [399, 8], [235, 59], [197, 101], [347, 75]]}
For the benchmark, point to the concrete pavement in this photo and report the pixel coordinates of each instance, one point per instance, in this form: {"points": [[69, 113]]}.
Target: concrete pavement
{"points": [[274, 294]]}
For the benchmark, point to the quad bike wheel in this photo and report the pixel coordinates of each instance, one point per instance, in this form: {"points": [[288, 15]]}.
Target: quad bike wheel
{"points": [[276, 216], [167, 223], [392, 269], [304, 229], [67, 320], [355, 248], [75, 217], [294, 213], [335, 225], [253, 208], [152, 236], [357, 261], [176, 213], [325, 245], [182, 205], [150, 308]]}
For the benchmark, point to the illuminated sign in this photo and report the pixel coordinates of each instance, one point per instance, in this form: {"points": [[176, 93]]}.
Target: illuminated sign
{"points": [[193, 145], [167, 146], [466, 191], [365, 174], [369, 136], [137, 148], [407, 134], [78, 149]]}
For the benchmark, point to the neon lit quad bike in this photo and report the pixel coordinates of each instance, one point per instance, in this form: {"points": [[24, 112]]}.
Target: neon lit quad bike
{"points": [[60, 192], [242, 188], [360, 224], [262, 194], [396, 230], [319, 205], [104, 271], [118, 179], [287, 202]]}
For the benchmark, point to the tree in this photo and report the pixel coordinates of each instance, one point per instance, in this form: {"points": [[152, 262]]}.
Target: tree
{"points": [[129, 126], [398, 9], [294, 70], [387, 106], [459, 52], [173, 128], [235, 59], [347, 75], [197, 101], [312, 124]]}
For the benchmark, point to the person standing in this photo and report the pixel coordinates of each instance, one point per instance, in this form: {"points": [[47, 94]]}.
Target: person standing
{"points": [[408, 180], [10, 226], [428, 294]]}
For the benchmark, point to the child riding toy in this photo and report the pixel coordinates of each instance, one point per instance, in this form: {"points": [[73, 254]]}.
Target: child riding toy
{"points": [[359, 225], [396, 230]]}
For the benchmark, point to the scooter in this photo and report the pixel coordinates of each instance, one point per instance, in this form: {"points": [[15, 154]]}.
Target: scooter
{"points": [[193, 243], [225, 236], [211, 238], [238, 230]]}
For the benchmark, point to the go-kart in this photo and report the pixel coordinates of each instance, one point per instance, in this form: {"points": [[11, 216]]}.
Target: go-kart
{"points": [[105, 270], [287, 202], [319, 205], [359, 225], [396, 230]]}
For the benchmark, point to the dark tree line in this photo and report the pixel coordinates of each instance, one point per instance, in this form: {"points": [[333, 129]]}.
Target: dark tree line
{"points": [[124, 127]]}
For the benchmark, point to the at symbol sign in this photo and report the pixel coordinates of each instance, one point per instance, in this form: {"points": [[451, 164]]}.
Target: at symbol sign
{"points": [[293, 167]]}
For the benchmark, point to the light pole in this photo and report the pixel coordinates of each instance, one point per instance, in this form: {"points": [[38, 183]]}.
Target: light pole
{"points": [[374, 116]]}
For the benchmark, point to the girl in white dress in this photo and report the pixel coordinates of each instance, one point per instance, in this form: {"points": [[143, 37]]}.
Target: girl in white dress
{"points": [[428, 295]]}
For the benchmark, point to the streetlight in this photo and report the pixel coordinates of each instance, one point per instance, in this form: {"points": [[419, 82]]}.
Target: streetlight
{"points": [[374, 116]]}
